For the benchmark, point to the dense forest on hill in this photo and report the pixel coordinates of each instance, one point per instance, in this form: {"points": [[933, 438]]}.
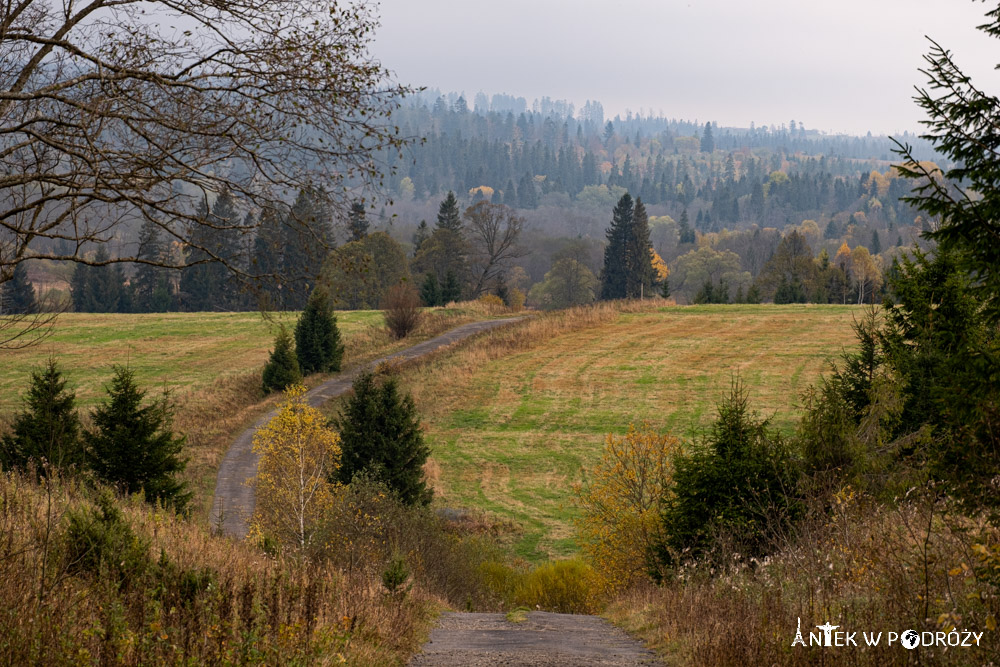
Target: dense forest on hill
{"points": [[719, 200]]}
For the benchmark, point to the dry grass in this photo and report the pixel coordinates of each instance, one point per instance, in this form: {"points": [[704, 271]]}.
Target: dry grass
{"points": [[193, 598], [866, 568], [515, 416]]}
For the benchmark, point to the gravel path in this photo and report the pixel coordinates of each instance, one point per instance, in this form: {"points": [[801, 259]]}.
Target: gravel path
{"points": [[541, 640], [234, 498]]}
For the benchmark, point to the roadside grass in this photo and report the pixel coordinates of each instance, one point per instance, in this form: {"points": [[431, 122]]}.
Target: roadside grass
{"points": [[515, 417], [210, 363]]}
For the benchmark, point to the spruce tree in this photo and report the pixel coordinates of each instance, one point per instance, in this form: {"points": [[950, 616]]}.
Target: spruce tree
{"points": [[685, 233], [266, 259], [17, 296], [306, 240], [614, 274], [317, 338], [48, 430], [449, 217], [100, 288], [639, 272], [282, 368], [150, 284], [707, 140], [451, 290], [357, 223], [430, 292], [380, 436], [131, 445]]}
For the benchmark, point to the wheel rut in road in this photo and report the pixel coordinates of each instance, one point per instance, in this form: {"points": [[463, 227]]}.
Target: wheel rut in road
{"points": [[543, 639], [233, 503]]}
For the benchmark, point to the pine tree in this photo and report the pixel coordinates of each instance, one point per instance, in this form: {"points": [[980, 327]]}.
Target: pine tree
{"points": [[132, 447], [17, 296], [317, 338], [422, 234], [99, 289], [430, 292], [266, 260], [527, 196], [282, 368], [614, 275], [876, 243], [449, 217], [380, 435], [707, 141], [48, 430], [357, 223], [665, 291], [685, 233], [306, 239]]}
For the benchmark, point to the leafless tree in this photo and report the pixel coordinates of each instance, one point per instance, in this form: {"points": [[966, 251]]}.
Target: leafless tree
{"points": [[117, 111], [493, 231]]}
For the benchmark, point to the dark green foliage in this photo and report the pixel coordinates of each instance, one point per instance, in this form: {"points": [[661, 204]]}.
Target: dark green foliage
{"points": [[150, 284], [430, 291], [422, 234], [266, 259], [17, 296], [306, 238], [712, 293], [47, 432], [317, 338], [614, 281], [357, 222], [101, 543], [380, 436], [639, 274], [449, 217], [790, 291], [451, 290], [395, 575], [99, 288], [876, 244], [358, 274], [738, 490], [685, 233], [753, 294], [707, 141], [131, 446], [209, 284], [527, 195], [282, 367], [665, 288]]}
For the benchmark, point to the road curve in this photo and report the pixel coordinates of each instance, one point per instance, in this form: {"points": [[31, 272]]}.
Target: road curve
{"points": [[234, 498], [542, 639]]}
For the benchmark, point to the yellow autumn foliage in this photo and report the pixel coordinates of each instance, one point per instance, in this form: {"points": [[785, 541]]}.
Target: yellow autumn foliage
{"points": [[298, 452], [621, 503], [659, 266]]}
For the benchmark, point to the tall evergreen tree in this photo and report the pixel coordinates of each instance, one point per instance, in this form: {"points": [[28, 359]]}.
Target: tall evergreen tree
{"points": [[527, 196], [131, 445], [430, 291], [451, 290], [639, 274], [422, 234], [685, 233], [208, 285], [317, 338], [707, 140], [266, 259], [47, 431], [17, 296], [449, 217], [150, 284], [357, 222], [100, 288], [380, 435], [614, 280], [306, 239]]}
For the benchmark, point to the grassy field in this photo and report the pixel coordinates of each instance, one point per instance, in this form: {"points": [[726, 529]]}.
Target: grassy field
{"points": [[182, 352], [510, 435], [209, 362]]}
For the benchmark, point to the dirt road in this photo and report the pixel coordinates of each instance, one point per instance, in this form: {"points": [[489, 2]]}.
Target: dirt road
{"points": [[542, 640], [234, 498]]}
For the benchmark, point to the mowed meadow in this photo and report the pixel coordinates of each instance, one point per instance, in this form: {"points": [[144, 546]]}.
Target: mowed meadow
{"points": [[210, 363], [511, 433]]}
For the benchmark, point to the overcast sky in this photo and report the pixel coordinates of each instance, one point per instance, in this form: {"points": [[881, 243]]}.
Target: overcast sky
{"points": [[841, 66]]}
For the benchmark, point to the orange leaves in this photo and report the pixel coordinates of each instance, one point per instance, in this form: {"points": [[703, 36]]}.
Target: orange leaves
{"points": [[621, 502]]}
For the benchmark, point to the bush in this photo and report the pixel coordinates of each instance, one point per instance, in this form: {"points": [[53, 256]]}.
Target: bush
{"points": [[564, 586], [282, 369], [402, 310], [101, 543], [739, 490]]}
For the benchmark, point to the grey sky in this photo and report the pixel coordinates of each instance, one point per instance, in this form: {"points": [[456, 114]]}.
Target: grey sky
{"points": [[839, 66]]}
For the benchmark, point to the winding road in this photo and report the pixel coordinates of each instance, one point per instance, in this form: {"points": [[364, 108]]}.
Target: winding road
{"points": [[234, 498]]}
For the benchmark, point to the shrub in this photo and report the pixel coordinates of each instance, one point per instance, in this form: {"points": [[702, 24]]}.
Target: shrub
{"points": [[738, 490], [402, 310], [282, 369], [621, 503], [564, 586], [101, 543], [317, 339]]}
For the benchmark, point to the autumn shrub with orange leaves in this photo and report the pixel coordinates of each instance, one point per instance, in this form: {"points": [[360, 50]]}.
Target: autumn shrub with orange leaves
{"points": [[620, 503]]}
